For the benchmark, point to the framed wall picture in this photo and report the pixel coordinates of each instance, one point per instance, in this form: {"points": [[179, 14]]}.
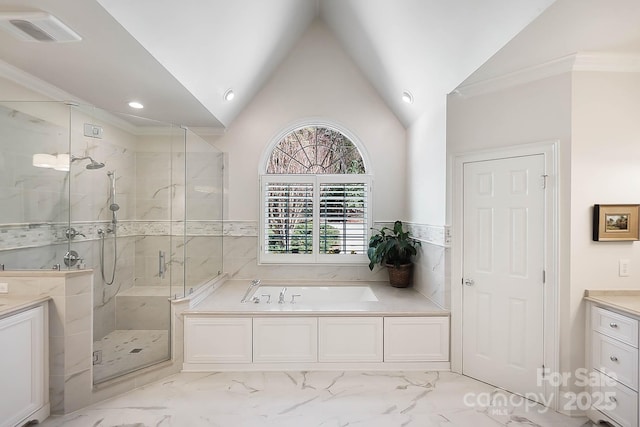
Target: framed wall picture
{"points": [[615, 222]]}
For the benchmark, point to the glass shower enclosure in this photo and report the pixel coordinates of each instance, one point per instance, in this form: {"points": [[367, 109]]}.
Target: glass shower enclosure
{"points": [[137, 201]]}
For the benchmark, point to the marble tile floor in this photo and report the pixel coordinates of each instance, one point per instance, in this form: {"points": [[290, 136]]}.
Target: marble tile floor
{"points": [[322, 399], [127, 350]]}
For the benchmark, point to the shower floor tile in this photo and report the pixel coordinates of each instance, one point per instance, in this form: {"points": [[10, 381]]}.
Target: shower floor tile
{"points": [[127, 350]]}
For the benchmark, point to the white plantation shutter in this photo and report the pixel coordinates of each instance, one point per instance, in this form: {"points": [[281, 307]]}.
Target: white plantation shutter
{"points": [[315, 218], [343, 218], [288, 213]]}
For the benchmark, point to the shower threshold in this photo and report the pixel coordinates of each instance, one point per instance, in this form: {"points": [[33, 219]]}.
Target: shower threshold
{"points": [[124, 351]]}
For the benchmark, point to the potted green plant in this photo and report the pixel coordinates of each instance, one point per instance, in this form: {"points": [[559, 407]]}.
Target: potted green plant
{"points": [[393, 248]]}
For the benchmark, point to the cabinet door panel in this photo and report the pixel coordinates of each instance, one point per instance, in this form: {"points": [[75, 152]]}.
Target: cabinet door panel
{"points": [[416, 339], [217, 340], [21, 365], [350, 339], [285, 339]]}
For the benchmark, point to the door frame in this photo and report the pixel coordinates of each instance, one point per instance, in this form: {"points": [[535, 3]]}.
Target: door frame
{"points": [[549, 149]]}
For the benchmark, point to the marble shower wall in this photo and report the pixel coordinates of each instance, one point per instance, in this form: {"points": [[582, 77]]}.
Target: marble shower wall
{"points": [[89, 202], [33, 201], [30, 194]]}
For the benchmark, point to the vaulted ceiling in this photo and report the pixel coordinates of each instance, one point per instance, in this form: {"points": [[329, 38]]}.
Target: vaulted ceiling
{"points": [[179, 57]]}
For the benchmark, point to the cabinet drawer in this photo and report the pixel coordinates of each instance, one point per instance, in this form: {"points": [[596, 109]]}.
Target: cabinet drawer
{"points": [[616, 359], [617, 402], [615, 325]]}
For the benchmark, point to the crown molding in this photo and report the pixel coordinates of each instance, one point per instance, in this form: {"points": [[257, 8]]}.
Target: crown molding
{"points": [[581, 61], [607, 62], [35, 84]]}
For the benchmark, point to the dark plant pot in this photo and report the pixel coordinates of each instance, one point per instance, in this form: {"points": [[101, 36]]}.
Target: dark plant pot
{"points": [[401, 276]]}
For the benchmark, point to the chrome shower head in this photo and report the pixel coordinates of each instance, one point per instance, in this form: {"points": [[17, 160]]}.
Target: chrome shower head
{"points": [[92, 165]]}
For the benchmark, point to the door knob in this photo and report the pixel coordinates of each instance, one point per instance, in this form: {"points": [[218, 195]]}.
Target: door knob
{"points": [[468, 282]]}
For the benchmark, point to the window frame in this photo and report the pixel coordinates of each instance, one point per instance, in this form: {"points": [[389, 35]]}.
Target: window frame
{"points": [[315, 257]]}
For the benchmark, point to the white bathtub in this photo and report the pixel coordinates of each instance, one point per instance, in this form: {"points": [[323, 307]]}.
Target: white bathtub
{"points": [[317, 294]]}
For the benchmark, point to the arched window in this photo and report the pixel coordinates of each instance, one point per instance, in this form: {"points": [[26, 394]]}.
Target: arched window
{"points": [[315, 198]]}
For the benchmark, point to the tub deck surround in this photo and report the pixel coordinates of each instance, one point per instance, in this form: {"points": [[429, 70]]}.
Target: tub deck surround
{"points": [[626, 301], [391, 301], [331, 325]]}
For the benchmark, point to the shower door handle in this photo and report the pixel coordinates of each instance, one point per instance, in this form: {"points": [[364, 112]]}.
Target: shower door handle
{"points": [[161, 264]]}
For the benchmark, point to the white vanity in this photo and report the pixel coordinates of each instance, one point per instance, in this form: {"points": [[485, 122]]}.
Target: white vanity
{"points": [[612, 337], [24, 360]]}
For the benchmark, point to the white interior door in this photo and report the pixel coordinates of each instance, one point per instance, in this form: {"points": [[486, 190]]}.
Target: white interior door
{"points": [[503, 264]]}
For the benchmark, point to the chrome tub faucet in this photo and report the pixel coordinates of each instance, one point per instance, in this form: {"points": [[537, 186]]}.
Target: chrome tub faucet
{"points": [[281, 297], [252, 287]]}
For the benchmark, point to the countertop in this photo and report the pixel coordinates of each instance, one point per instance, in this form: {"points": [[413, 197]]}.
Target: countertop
{"points": [[391, 301], [13, 304], [627, 301]]}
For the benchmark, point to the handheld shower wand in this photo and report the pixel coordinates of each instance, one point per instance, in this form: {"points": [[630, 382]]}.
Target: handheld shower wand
{"points": [[113, 206]]}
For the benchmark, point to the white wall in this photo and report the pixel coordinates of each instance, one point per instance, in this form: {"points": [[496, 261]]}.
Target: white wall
{"points": [[605, 155], [594, 116], [532, 112], [426, 166], [317, 79]]}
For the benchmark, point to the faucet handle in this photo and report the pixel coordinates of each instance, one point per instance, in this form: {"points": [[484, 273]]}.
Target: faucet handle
{"points": [[293, 298], [268, 297]]}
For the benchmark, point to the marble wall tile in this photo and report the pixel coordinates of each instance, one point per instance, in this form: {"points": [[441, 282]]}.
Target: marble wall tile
{"points": [[57, 311], [143, 312], [78, 313], [77, 390], [56, 356], [429, 278], [77, 352], [241, 262], [56, 393]]}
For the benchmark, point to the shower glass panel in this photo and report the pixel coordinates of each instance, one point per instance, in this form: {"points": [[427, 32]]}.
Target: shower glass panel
{"points": [[137, 201], [121, 197], [203, 212], [34, 209]]}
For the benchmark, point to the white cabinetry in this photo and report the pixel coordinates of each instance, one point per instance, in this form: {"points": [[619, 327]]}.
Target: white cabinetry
{"points": [[327, 342], [350, 339], [23, 367], [217, 340], [612, 350], [285, 339], [416, 339]]}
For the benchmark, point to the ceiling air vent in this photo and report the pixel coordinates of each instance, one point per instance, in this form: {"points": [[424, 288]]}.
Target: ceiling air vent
{"points": [[37, 26]]}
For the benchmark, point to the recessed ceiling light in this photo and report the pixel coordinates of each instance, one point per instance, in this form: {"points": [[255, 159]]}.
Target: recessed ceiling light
{"points": [[407, 97], [136, 105], [228, 95]]}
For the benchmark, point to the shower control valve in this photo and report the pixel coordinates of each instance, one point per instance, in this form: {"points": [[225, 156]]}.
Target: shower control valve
{"points": [[71, 258], [71, 233]]}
